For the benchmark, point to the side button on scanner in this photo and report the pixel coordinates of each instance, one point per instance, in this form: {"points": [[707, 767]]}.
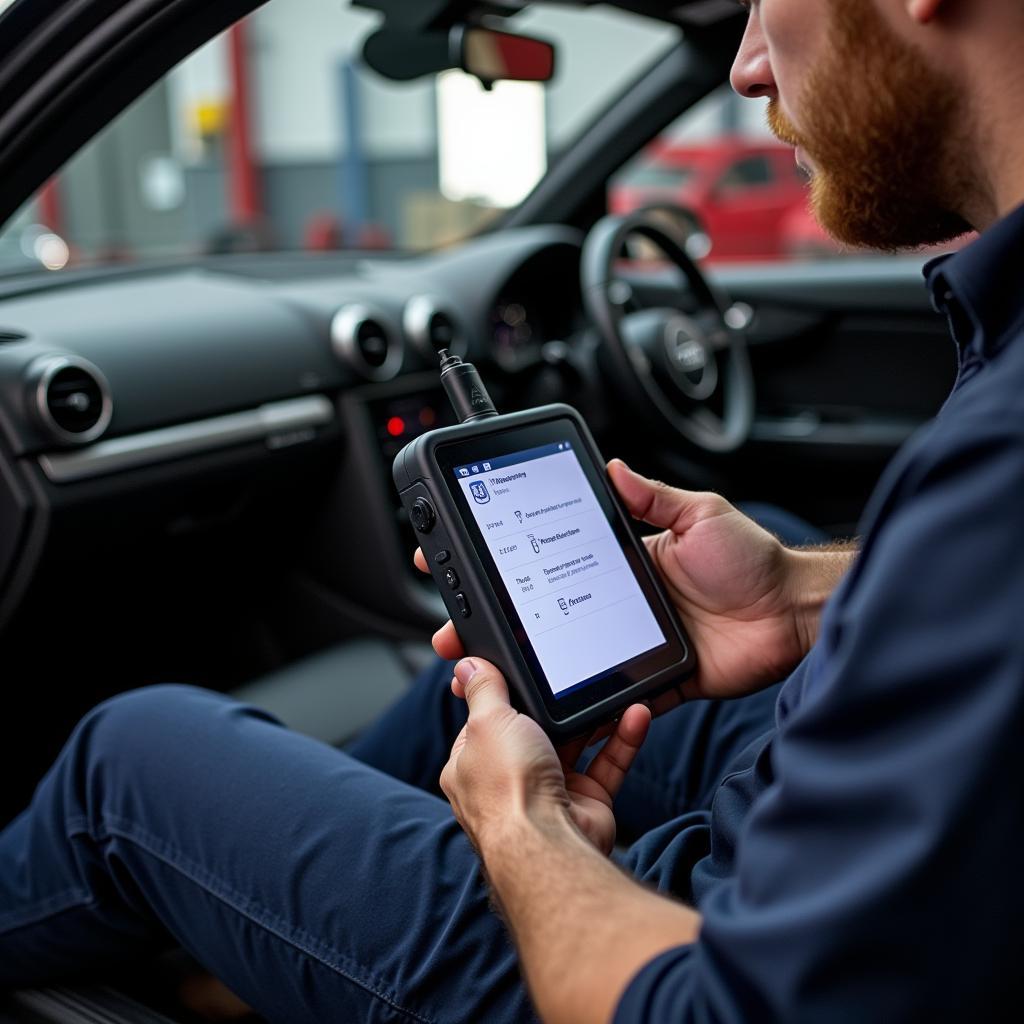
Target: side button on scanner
{"points": [[451, 577], [422, 515], [443, 556], [462, 604]]}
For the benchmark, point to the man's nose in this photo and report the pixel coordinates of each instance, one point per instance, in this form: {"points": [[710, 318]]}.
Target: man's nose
{"points": [[752, 70]]}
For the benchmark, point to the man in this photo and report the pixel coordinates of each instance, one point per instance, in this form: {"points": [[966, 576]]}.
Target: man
{"points": [[844, 848]]}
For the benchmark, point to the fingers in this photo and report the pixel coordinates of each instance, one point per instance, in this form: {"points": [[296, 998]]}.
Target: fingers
{"points": [[656, 503], [484, 686], [447, 643], [615, 758], [451, 766], [670, 699], [569, 753]]}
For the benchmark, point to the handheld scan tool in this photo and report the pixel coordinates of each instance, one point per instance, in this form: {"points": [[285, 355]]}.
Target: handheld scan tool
{"points": [[537, 560]]}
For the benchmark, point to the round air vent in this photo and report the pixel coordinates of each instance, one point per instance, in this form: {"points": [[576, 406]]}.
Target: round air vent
{"points": [[431, 326], [366, 339], [71, 399]]}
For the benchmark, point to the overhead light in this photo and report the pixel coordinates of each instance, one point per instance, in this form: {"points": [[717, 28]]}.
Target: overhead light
{"points": [[52, 251], [43, 246]]}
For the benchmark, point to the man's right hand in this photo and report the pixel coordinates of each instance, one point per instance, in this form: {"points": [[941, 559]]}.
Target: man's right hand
{"points": [[750, 605]]}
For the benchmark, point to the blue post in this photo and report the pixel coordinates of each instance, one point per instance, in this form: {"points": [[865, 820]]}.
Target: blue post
{"points": [[353, 174]]}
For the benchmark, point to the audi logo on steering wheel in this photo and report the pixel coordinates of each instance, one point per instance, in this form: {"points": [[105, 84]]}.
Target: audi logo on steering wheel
{"points": [[690, 359]]}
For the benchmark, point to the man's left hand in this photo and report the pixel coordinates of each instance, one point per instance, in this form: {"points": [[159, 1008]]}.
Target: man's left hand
{"points": [[503, 766]]}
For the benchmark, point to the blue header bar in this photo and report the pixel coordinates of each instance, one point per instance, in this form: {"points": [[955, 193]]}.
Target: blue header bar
{"points": [[472, 469]]}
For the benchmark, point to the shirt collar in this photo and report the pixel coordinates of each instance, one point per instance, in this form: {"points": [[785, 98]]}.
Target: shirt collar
{"points": [[980, 288]]}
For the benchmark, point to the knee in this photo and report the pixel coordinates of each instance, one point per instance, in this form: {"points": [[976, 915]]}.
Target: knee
{"points": [[118, 744], [151, 715], [149, 705]]}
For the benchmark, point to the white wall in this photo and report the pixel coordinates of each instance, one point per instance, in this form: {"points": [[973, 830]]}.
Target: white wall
{"points": [[200, 80], [297, 47], [600, 53]]}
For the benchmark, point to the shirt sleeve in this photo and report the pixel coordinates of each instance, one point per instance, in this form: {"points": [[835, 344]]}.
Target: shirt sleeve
{"points": [[878, 876]]}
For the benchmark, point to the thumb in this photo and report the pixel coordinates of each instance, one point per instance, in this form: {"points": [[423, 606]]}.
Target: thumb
{"points": [[654, 502], [484, 686]]}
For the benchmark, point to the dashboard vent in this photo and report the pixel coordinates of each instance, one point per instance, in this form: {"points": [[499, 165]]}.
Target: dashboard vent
{"points": [[9, 336], [372, 343], [441, 331], [72, 400], [365, 338], [431, 326]]}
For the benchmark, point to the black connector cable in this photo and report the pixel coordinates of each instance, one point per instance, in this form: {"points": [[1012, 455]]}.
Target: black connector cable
{"points": [[465, 389]]}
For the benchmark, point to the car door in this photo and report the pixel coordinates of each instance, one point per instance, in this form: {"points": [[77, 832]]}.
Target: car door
{"points": [[749, 203], [849, 361]]}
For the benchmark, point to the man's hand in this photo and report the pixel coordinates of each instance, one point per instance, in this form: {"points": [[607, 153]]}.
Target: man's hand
{"points": [[583, 928], [750, 605], [503, 767]]}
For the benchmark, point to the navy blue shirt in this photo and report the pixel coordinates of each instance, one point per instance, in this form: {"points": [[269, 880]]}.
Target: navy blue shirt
{"points": [[867, 856]]}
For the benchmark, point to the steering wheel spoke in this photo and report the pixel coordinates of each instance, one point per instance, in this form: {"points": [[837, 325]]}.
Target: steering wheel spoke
{"points": [[716, 333]]}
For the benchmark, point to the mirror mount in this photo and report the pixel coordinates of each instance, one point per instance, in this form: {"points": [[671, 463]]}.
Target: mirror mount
{"points": [[435, 15]]}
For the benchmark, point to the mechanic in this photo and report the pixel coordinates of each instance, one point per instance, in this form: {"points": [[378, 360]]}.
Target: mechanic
{"points": [[845, 848]]}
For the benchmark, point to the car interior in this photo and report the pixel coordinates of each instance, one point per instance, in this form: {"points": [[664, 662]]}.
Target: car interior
{"points": [[195, 452]]}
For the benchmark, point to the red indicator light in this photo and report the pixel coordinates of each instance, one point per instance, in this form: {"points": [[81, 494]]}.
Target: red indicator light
{"points": [[396, 426], [427, 417]]}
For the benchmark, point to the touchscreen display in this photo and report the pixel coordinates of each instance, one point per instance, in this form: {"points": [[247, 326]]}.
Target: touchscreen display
{"points": [[556, 552]]}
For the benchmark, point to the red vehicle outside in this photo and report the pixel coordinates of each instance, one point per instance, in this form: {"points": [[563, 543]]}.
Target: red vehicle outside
{"points": [[740, 193]]}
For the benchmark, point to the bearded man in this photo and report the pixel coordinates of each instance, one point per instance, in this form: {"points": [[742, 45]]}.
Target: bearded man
{"points": [[843, 848]]}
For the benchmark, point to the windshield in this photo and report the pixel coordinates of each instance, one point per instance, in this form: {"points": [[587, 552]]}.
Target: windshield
{"points": [[275, 137]]}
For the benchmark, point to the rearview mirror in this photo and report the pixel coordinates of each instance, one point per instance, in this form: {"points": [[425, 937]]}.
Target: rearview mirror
{"points": [[490, 55], [500, 56]]}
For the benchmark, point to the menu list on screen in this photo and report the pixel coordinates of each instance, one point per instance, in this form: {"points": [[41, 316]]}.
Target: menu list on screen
{"points": [[569, 581]]}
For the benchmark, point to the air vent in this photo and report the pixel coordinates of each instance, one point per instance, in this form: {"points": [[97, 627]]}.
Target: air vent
{"points": [[431, 326], [71, 399], [10, 336], [365, 338]]}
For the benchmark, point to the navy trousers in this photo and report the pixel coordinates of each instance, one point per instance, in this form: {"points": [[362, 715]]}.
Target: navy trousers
{"points": [[320, 885]]}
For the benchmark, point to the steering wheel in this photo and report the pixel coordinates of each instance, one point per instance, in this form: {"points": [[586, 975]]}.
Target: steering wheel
{"points": [[688, 370]]}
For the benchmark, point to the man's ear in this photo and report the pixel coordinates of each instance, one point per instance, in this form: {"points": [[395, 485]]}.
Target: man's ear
{"points": [[924, 11]]}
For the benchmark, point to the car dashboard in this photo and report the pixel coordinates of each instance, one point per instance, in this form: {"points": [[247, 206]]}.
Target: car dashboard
{"points": [[133, 402]]}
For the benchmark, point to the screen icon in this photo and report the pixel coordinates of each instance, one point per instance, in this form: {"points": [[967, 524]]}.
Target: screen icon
{"points": [[479, 490], [519, 516], [535, 543], [562, 604], [476, 469], [463, 471], [487, 467]]}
